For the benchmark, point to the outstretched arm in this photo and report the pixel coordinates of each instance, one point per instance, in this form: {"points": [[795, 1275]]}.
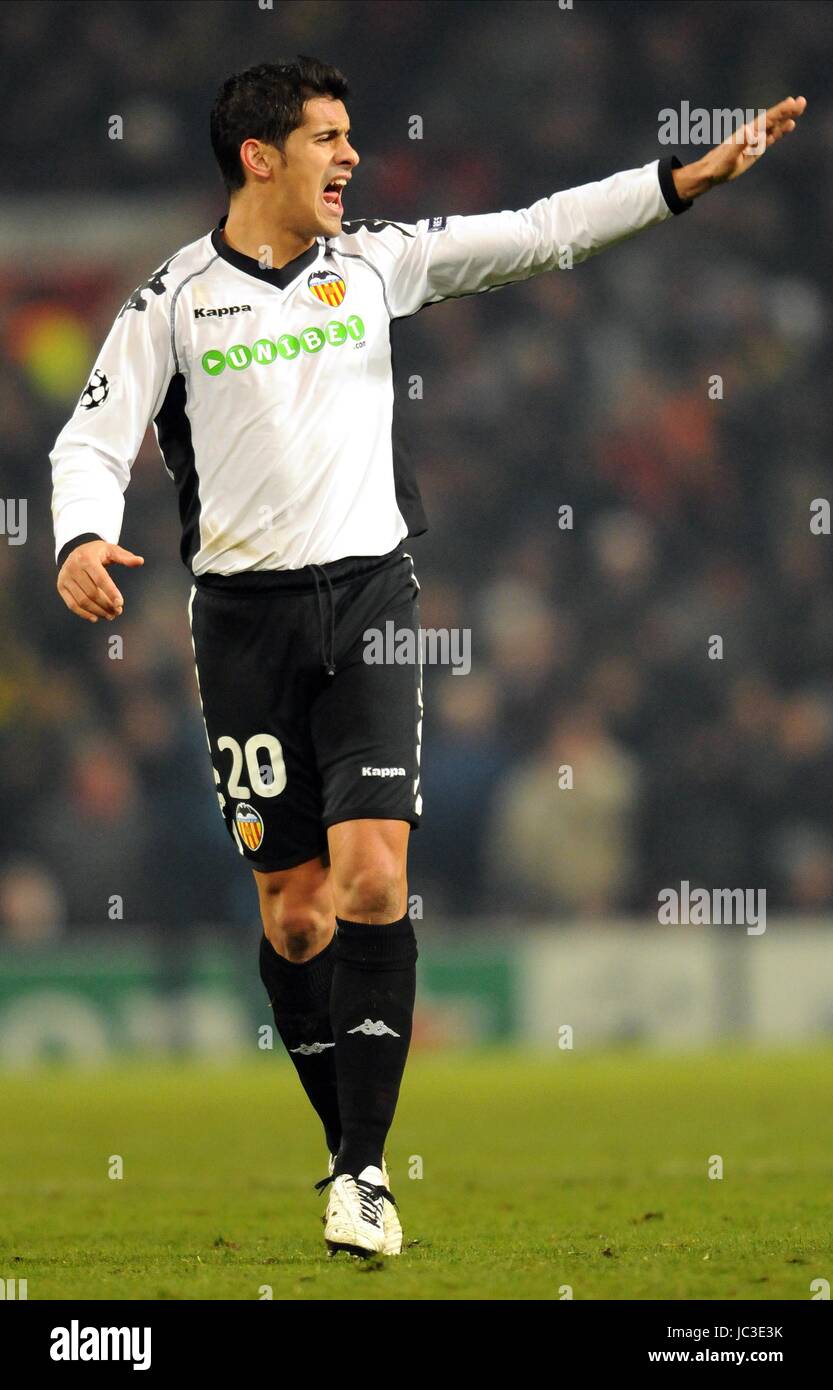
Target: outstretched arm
{"points": [[447, 257]]}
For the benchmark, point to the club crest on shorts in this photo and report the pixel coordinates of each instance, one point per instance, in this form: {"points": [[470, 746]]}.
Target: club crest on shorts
{"points": [[327, 286], [250, 825]]}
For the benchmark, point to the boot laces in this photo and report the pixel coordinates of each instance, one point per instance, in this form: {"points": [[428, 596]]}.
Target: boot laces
{"points": [[371, 1196]]}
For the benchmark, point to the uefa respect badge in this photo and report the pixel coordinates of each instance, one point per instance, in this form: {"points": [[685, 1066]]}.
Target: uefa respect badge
{"points": [[327, 287], [250, 825]]}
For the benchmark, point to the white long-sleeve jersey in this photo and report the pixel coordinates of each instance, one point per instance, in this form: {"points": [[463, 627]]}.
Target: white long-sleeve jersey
{"points": [[271, 391]]}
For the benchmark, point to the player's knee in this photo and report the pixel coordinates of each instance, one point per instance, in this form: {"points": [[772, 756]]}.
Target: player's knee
{"points": [[297, 928], [372, 894], [297, 932]]}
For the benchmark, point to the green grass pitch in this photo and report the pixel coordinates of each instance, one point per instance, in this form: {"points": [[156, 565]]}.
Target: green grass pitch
{"points": [[537, 1173]]}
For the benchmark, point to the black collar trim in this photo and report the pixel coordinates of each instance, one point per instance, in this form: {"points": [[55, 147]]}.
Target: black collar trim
{"points": [[279, 278]]}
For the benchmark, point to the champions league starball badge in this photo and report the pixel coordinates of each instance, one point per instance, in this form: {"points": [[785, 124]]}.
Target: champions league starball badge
{"points": [[95, 392]]}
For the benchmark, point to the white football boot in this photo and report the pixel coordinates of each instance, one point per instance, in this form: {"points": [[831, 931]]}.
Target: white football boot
{"points": [[393, 1226], [361, 1214]]}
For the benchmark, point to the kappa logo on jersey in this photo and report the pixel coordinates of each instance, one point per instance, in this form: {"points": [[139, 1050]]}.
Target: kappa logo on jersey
{"points": [[436, 224], [95, 392], [372, 224], [250, 824], [383, 772], [154, 283], [327, 286], [221, 313]]}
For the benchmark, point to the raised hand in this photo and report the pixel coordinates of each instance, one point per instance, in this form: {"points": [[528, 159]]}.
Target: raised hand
{"points": [[741, 150]]}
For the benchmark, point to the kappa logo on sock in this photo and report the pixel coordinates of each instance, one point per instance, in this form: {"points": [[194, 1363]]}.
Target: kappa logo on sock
{"points": [[373, 1030], [310, 1049]]}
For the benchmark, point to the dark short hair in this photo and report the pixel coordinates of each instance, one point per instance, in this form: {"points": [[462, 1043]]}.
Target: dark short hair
{"points": [[266, 103]]}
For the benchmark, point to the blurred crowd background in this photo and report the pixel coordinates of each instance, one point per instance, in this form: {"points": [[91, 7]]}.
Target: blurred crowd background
{"points": [[587, 389]]}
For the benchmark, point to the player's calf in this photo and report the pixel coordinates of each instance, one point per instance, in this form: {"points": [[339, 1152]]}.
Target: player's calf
{"points": [[296, 966]]}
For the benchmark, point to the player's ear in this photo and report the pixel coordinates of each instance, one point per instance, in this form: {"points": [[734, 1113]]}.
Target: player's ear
{"points": [[255, 158]]}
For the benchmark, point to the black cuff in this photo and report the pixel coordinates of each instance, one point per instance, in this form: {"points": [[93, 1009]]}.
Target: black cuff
{"points": [[388, 946], [77, 540], [666, 184], [296, 984]]}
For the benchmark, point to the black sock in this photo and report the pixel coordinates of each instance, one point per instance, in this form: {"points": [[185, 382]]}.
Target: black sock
{"points": [[371, 1009], [300, 997]]}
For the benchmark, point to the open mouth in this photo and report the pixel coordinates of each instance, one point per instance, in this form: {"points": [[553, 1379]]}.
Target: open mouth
{"points": [[332, 195]]}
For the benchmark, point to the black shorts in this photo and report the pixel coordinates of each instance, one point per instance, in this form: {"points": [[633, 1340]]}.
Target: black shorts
{"points": [[294, 748]]}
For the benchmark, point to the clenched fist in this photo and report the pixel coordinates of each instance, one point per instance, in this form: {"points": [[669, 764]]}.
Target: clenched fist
{"points": [[84, 584]]}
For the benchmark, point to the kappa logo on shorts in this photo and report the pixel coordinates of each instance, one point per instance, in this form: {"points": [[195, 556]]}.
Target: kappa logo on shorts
{"points": [[250, 824]]}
